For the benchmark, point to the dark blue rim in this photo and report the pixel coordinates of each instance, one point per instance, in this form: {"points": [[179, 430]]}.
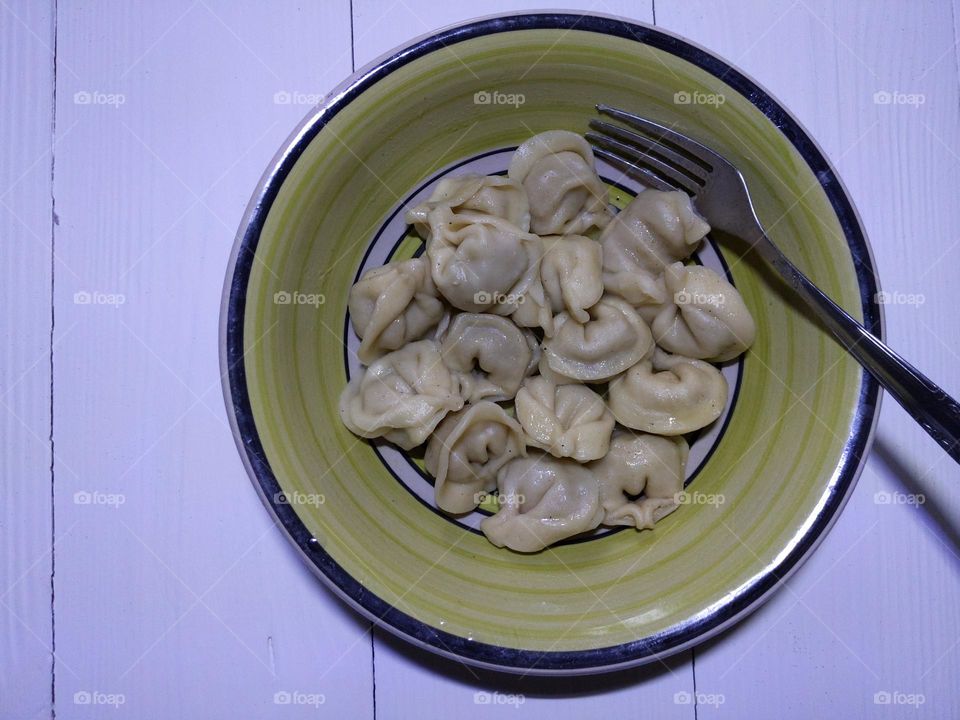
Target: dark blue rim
{"points": [[517, 660]]}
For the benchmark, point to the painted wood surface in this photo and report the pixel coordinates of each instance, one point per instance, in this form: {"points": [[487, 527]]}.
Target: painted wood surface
{"points": [[26, 268], [169, 592]]}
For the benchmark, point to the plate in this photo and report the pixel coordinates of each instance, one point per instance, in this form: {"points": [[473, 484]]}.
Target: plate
{"points": [[766, 481]]}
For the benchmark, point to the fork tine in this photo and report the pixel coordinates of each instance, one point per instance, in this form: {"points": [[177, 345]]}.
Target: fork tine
{"points": [[636, 159], [647, 177], [706, 157], [694, 170]]}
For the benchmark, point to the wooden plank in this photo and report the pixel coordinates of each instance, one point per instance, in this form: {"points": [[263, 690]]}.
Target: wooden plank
{"points": [[176, 596], [26, 221], [409, 680], [873, 615]]}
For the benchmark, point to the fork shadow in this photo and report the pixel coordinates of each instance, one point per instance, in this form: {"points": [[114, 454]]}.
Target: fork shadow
{"points": [[911, 481], [914, 483], [536, 685]]}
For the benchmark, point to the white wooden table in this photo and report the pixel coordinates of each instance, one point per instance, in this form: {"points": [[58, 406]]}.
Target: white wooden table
{"points": [[141, 577]]}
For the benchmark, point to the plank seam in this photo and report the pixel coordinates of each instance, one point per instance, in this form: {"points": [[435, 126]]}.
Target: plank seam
{"points": [[353, 56], [54, 221], [693, 667], [373, 667], [956, 50]]}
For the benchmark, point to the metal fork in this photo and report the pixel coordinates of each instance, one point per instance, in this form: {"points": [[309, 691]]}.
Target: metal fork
{"points": [[667, 160]]}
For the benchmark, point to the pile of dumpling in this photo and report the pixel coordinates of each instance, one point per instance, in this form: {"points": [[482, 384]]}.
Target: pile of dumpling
{"points": [[545, 348]]}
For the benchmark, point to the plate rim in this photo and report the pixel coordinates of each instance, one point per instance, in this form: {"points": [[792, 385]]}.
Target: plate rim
{"points": [[682, 636]]}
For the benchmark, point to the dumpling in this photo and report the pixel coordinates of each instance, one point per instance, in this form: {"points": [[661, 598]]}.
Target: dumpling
{"points": [[638, 462], [393, 305], [542, 500], [566, 420], [569, 278], [705, 317], [489, 355], [532, 309], [656, 229], [402, 396], [557, 169], [544, 371], [668, 395], [613, 339], [440, 331], [571, 272], [466, 451], [493, 195], [653, 301], [478, 261]]}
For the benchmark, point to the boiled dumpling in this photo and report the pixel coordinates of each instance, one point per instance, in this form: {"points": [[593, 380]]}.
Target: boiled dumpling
{"points": [[543, 369], [440, 331], [705, 317], [557, 169], [533, 309], [655, 298], [542, 500], [402, 396], [514, 301], [479, 261], [656, 229], [393, 305], [638, 462], [489, 354], [565, 420], [571, 272], [613, 339], [668, 395], [487, 194], [569, 278], [466, 451]]}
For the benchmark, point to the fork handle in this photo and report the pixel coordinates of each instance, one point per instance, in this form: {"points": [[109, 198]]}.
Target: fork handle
{"points": [[929, 404]]}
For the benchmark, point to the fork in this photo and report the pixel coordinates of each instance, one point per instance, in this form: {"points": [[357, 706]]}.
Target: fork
{"points": [[664, 159]]}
